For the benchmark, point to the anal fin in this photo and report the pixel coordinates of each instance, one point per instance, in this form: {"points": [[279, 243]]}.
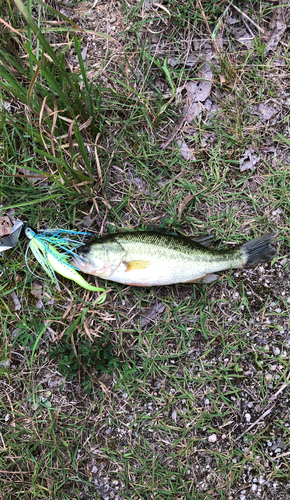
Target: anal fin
{"points": [[207, 278]]}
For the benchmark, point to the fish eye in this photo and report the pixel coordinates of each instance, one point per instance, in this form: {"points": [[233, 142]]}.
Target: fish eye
{"points": [[84, 249]]}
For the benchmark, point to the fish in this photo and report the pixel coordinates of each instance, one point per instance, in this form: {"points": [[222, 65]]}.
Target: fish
{"points": [[147, 258]]}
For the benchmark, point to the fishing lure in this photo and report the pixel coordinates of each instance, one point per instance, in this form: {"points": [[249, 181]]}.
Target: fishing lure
{"points": [[53, 249]]}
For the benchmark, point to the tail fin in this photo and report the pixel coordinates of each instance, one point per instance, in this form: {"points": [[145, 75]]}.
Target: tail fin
{"points": [[259, 250]]}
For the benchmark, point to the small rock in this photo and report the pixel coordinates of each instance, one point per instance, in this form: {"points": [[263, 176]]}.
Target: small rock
{"points": [[5, 363], [248, 417], [212, 438], [174, 415], [276, 351]]}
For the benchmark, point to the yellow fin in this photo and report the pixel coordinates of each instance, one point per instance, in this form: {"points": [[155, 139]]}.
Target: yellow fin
{"points": [[135, 265]]}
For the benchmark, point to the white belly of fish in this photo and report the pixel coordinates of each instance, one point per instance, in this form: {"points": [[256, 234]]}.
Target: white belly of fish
{"points": [[157, 274]]}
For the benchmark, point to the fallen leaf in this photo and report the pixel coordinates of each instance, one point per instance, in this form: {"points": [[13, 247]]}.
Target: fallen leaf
{"points": [[267, 110], [203, 91], [248, 160], [231, 20], [222, 80], [192, 111], [190, 61], [150, 314], [84, 53], [242, 36], [185, 152], [52, 379], [191, 89], [278, 25], [37, 290], [197, 92], [183, 204], [219, 40], [174, 62], [17, 304], [5, 226], [280, 443]]}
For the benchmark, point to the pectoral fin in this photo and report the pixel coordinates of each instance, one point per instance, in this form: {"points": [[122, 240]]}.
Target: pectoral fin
{"points": [[135, 265]]}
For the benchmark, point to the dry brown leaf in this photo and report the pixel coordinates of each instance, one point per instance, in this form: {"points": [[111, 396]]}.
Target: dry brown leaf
{"points": [[152, 313], [5, 226], [37, 290], [190, 61], [267, 111], [249, 160], [17, 303], [203, 91], [185, 152], [183, 204], [278, 25], [52, 379], [192, 111], [197, 93], [243, 37]]}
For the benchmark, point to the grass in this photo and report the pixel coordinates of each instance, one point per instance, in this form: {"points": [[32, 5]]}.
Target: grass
{"points": [[107, 408]]}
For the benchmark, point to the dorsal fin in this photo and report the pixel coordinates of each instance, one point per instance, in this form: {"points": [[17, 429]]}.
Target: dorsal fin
{"points": [[205, 241]]}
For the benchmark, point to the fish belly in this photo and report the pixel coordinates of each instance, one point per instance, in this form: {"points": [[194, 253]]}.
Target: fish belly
{"points": [[157, 274]]}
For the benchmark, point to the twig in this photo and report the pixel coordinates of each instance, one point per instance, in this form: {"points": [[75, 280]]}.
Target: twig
{"points": [[272, 398], [282, 455], [255, 423], [249, 19], [208, 28]]}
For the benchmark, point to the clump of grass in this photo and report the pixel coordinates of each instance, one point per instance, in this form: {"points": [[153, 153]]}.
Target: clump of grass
{"points": [[80, 355]]}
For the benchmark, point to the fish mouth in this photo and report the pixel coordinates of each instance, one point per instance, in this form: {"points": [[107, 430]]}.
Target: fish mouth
{"points": [[80, 261]]}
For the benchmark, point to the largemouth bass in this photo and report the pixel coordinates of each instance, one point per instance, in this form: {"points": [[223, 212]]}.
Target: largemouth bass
{"points": [[149, 258]]}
